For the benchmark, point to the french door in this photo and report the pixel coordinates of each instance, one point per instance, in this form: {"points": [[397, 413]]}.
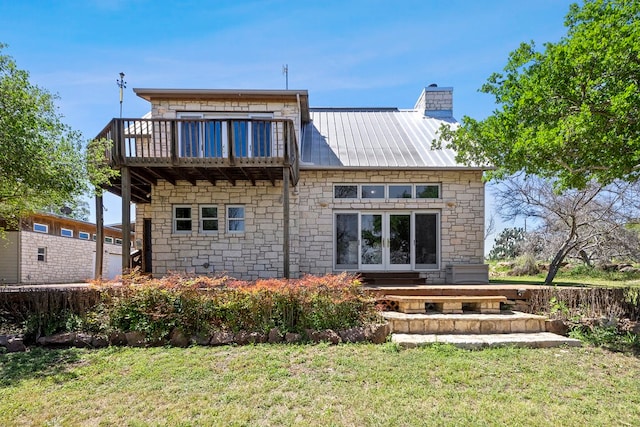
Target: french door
{"points": [[386, 241]]}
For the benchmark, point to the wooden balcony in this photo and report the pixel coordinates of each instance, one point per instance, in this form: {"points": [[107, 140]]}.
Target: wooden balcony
{"points": [[200, 149]]}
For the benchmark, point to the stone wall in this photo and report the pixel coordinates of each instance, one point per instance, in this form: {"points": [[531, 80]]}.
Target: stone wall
{"points": [[67, 260], [257, 253]]}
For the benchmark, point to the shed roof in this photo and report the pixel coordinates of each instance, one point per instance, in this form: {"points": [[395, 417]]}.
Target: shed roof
{"points": [[374, 138]]}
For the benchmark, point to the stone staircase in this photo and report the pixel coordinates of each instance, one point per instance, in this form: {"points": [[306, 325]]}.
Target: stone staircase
{"points": [[472, 329]]}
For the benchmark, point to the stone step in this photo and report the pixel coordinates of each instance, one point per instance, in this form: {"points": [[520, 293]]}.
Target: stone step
{"points": [[478, 341], [506, 322]]}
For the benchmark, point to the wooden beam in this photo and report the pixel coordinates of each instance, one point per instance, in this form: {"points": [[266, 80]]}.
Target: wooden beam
{"points": [[228, 176], [126, 219], [203, 175], [142, 176], [285, 221], [99, 238]]}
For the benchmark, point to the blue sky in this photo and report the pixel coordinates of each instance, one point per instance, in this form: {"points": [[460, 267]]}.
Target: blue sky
{"points": [[345, 53]]}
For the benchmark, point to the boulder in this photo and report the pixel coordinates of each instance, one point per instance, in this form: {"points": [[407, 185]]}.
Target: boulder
{"points": [[64, 339], [556, 326], [274, 336], [135, 339], [352, 335], [83, 340], [178, 339], [3, 340], [201, 339], [15, 345], [99, 341], [377, 333], [117, 338], [221, 338], [327, 335], [292, 338]]}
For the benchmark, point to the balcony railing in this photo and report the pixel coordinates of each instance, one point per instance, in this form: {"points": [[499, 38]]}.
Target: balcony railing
{"points": [[203, 143]]}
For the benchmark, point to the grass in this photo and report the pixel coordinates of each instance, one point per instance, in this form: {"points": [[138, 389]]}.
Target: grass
{"points": [[346, 385]]}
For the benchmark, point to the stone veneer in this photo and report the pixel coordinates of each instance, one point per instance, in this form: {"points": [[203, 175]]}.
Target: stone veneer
{"points": [[68, 260], [257, 253]]}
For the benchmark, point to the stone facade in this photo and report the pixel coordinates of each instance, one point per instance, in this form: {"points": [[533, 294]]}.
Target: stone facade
{"points": [[66, 260], [257, 252]]}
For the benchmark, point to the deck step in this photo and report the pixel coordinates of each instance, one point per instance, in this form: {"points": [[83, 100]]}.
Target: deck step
{"points": [[478, 341], [470, 323]]}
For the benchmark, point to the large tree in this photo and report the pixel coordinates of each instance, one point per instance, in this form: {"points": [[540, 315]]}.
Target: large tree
{"points": [[42, 162], [570, 110], [591, 224]]}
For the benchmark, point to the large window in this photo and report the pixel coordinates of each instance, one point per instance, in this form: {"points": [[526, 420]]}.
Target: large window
{"points": [[181, 219], [208, 218], [387, 191], [213, 135], [40, 228], [235, 219]]}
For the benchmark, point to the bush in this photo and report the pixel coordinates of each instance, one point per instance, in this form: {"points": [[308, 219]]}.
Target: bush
{"points": [[202, 305]]}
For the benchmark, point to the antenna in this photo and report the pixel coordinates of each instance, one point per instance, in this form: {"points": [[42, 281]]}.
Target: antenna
{"points": [[285, 71], [122, 85]]}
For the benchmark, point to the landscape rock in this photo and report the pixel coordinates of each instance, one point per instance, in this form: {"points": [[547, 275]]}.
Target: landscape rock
{"points": [[3, 340], [274, 336], [117, 338], [178, 339], [15, 345], [221, 338], [201, 339], [244, 338], [377, 333], [556, 326], [83, 340], [292, 338], [64, 339], [327, 335], [99, 341], [135, 339], [352, 335]]}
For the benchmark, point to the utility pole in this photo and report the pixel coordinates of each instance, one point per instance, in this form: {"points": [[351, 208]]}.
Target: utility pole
{"points": [[285, 71]]}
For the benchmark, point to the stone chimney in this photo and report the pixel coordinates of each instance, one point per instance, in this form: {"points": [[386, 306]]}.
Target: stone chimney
{"points": [[436, 102]]}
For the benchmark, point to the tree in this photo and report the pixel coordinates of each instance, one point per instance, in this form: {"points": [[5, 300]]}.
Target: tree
{"points": [[570, 111], [42, 160], [590, 224], [508, 244]]}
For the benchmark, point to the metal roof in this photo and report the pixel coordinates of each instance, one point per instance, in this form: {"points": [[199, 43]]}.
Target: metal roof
{"points": [[374, 138]]}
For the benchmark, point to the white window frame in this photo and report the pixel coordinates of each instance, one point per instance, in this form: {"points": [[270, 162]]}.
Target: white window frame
{"points": [[42, 252], [243, 219], [428, 184], [346, 185], [175, 219], [83, 235], [37, 224], [118, 241], [108, 239], [400, 184], [203, 218], [66, 230]]}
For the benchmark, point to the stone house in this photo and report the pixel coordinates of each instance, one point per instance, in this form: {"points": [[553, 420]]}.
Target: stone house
{"points": [[48, 248], [257, 184]]}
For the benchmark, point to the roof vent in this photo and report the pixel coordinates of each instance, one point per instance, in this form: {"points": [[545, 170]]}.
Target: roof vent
{"points": [[433, 85]]}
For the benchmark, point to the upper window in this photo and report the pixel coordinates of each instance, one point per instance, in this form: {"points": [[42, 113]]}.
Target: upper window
{"points": [[208, 218], [42, 254], [40, 228], [235, 219], [428, 191], [83, 235], [118, 241], [373, 191], [400, 191], [108, 239], [345, 192], [181, 219], [65, 232]]}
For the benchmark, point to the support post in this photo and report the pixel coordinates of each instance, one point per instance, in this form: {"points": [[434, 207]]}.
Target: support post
{"points": [[285, 220], [99, 237], [126, 218]]}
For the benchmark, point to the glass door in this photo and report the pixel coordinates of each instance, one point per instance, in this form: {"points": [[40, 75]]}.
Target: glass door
{"points": [[371, 241], [398, 244]]}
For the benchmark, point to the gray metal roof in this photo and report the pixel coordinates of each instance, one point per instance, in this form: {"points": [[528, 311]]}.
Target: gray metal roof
{"points": [[373, 138]]}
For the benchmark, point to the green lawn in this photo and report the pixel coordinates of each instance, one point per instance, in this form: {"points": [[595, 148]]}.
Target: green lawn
{"points": [[346, 385]]}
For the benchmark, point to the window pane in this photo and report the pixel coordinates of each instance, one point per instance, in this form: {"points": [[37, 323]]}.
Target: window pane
{"points": [[66, 233], [373, 191], [209, 212], [240, 139], [426, 235], [210, 225], [213, 139], [347, 240], [427, 191], [183, 225], [236, 212], [399, 191], [261, 139], [40, 228], [183, 213], [83, 235], [190, 139], [346, 192], [236, 225]]}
